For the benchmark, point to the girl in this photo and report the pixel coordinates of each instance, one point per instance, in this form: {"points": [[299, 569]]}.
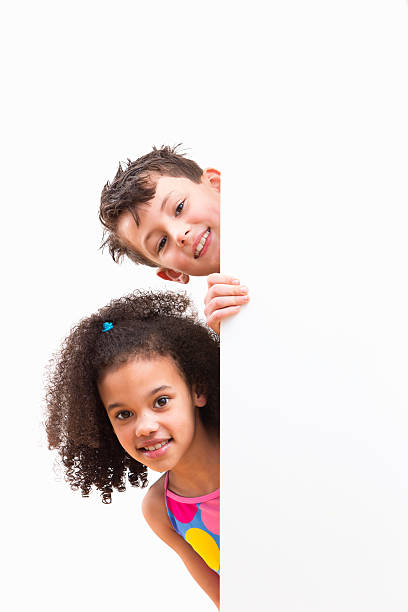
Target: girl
{"points": [[136, 385]]}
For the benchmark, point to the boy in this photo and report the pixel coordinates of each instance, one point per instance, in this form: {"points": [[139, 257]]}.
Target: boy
{"points": [[163, 211]]}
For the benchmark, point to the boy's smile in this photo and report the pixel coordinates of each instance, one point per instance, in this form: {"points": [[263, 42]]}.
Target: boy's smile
{"points": [[179, 227]]}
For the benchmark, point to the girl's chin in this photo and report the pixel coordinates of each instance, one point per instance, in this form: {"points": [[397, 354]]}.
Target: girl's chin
{"points": [[156, 467]]}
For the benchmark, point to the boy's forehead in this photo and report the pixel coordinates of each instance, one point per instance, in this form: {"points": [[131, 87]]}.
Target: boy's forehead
{"points": [[166, 184]]}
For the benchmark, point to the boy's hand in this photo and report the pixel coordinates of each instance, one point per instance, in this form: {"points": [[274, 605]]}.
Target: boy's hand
{"points": [[224, 298]]}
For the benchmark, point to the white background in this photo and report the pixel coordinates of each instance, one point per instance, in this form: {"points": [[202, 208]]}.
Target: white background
{"points": [[88, 84], [302, 105]]}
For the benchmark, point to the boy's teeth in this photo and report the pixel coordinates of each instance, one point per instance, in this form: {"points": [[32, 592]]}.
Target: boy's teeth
{"points": [[201, 243], [152, 448]]}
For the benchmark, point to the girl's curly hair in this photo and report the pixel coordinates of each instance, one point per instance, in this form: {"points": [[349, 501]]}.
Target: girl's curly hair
{"points": [[144, 324]]}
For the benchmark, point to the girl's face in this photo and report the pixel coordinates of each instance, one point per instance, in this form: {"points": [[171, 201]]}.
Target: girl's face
{"points": [[152, 411]]}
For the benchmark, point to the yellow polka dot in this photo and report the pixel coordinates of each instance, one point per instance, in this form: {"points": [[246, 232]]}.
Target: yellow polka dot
{"points": [[205, 546]]}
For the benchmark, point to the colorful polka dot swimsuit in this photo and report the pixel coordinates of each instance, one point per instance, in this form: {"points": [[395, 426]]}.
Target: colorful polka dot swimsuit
{"points": [[197, 520]]}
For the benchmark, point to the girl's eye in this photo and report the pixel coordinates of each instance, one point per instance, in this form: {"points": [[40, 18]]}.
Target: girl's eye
{"points": [[162, 244], [161, 402], [179, 208], [124, 414]]}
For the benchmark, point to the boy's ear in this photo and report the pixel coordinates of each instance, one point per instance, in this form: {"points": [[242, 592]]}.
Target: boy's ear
{"points": [[214, 177], [172, 275]]}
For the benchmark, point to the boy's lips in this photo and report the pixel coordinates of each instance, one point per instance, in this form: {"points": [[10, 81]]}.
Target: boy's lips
{"points": [[201, 243]]}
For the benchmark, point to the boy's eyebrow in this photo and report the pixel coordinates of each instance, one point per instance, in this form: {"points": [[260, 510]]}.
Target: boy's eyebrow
{"points": [[165, 199], [162, 205]]}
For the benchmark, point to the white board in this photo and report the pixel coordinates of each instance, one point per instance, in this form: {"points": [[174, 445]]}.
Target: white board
{"points": [[314, 394]]}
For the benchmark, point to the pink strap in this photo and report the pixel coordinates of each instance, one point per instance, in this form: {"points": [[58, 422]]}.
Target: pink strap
{"points": [[188, 500]]}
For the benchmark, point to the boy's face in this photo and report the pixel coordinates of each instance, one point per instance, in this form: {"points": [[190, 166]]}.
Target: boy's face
{"points": [[179, 228]]}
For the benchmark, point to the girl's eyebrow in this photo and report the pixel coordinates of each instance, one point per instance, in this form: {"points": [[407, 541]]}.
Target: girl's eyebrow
{"points": [[112, 406], [152, 392], [161, 388]]}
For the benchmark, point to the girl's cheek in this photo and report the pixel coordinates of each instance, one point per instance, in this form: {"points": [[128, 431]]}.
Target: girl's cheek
{"points": [[120, 434]]}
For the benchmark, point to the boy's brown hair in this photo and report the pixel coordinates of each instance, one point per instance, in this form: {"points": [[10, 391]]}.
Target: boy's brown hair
{"points": [[135, 185]]}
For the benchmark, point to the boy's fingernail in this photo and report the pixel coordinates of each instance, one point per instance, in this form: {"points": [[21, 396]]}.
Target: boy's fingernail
{"points": [[243, 289], [235, 281]]}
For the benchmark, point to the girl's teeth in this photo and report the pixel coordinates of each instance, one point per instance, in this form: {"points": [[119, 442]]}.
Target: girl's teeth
{"points": [[201, 243], [152, 448]]}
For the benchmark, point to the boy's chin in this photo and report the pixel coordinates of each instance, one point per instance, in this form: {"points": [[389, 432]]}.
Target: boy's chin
{"points": [[184, 277], [210, 269]]}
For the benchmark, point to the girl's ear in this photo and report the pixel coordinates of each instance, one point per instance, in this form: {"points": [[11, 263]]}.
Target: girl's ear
{"points": [[199, 398]]}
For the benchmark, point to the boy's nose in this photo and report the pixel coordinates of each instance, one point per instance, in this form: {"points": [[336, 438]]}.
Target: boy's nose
{"points": [[182, 235]]}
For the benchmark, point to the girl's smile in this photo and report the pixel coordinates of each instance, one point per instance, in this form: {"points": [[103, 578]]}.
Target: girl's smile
{"points": [[154, 448], [154, 444], [152, 411]]}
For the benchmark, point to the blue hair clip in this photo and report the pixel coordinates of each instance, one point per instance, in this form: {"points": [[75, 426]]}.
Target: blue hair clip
{"points": [[107, 326]]}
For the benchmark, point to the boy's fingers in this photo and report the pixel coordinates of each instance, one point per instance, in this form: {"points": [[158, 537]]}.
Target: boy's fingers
{"points": [[224, 298], [219, 315], [219, 303], [218, 290], [216, 278], [223, 303]]}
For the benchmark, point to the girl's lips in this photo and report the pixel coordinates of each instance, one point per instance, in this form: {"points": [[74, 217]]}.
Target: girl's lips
{"points": [[158, 452]]}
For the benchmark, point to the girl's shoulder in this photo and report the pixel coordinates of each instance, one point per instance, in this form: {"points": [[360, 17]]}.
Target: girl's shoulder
{"points": [[154, 506]]}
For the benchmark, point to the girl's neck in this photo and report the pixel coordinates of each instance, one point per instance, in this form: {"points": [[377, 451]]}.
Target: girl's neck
{"points": [[198, 473]]}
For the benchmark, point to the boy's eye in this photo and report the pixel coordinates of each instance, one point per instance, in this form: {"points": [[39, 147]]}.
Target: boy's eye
{"points": [[161, 402], [124, 414], [162, 244], [179, 208]]}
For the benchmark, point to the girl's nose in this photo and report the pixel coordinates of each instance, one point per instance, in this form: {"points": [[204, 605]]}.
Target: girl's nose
{"points": [[145, 425]]}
